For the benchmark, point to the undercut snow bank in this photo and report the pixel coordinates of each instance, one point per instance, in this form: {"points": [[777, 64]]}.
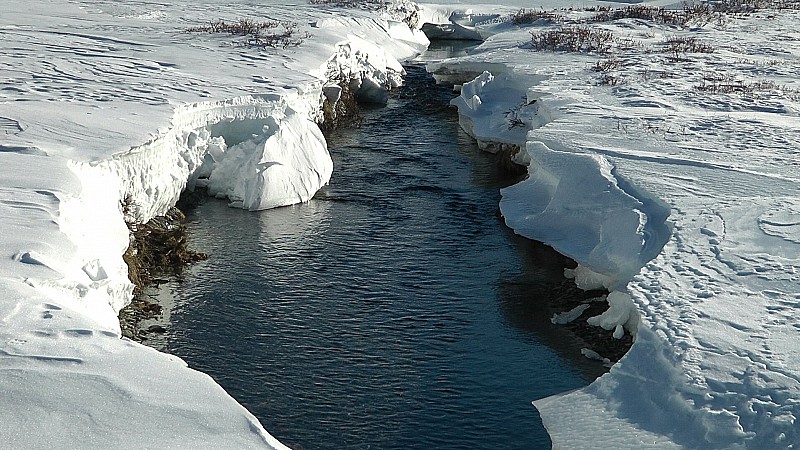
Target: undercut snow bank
{"points": [[268, 134], [457, 22], [259, 151], [574, 201], [286, 164], [498, 109], [715, 361], [86, 136], [368, 69]]}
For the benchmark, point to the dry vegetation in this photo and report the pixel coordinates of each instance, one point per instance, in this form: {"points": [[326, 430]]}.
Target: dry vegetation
{"points": [[158, 247], [404, 10], [650, 13], [721, 83], [605, 14], [371, 5], [700, 12], [268, 34], [573, 39], [679, 47], [528, 16], [341, 112]]}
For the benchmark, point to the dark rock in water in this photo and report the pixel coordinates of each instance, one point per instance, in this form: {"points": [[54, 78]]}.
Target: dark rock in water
{"points": [[156, 329]]}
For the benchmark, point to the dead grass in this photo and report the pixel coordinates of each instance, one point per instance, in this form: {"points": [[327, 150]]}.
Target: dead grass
{"points": [[242, 27], [268, 34], [687, 44], [679, 47], [157, 247], [751, 6], [342, 112], [529, 16], [721, 83], [574, 39], [606, 65], [698, 12], [371, 5], [407, 11], [651, 13]]}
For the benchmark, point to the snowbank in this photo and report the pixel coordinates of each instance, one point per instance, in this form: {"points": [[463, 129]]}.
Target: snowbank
{"points": [[105, 104], [661, 176], [675, 186]]}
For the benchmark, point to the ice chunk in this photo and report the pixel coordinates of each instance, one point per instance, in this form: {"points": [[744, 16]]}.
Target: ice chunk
{"points": [[591, 354], [95, 271], [621, 313], [569, 316], [287, 165]]}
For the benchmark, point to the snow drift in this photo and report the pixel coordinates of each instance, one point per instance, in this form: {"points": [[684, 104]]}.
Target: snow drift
{"points": [[661, 183], [679, 196], [107, 108]]}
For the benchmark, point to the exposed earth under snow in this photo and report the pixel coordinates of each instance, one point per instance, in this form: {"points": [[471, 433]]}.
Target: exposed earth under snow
{"points": [[669, 174]]}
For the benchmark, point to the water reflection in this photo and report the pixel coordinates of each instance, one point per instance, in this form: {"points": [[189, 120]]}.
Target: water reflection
{"points": [[528, 302], [296, 233]]}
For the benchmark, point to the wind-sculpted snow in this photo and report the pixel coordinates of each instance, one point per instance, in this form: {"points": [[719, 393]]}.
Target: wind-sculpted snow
{"points": [[257, 151], [675, 182], [558, 203], [575, 203], [285, 164], [112, 106]]}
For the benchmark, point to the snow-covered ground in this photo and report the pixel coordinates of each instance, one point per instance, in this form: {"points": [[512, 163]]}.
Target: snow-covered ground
{"points": [[671, 177], [105, 102]]}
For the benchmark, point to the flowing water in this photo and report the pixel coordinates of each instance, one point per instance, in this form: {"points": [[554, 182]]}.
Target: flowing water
{"points": [[392, 311]]}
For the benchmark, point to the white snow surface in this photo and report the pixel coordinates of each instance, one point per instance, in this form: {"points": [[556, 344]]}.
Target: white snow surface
{"points": [[684, 203], [675, 183], [106, 102]]}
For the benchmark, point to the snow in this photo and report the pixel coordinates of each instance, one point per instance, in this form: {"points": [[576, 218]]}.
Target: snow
{"points": [[683, 202], [108, 103], [569, 316], [591, 354], [678, 195], [620, 316], [283, 175]]}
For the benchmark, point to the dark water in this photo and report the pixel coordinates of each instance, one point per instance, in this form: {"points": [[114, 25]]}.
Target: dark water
{"points": [[393, 311]]}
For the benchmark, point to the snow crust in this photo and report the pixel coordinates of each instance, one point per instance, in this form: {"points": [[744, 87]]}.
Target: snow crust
{"points": [[111, 103], [266, 170], [682, 200]]}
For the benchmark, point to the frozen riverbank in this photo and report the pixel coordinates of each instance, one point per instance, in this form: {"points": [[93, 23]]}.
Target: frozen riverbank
{"points": [[103, 102], [664, 160], [106, 103]]}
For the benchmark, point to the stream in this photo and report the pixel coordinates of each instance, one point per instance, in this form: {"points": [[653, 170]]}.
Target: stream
{"points": [[394, 310]]}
